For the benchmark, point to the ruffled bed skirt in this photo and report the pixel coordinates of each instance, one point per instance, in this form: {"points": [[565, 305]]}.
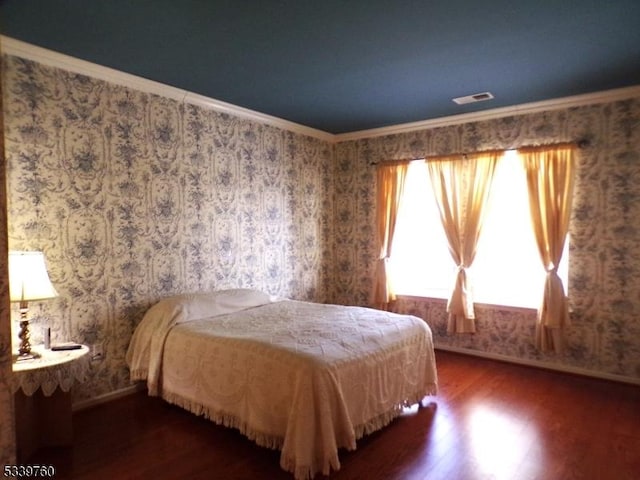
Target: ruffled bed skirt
{"points": [[289, 464]]}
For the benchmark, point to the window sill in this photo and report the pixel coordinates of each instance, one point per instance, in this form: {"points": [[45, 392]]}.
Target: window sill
{"points": [[480, 305]]}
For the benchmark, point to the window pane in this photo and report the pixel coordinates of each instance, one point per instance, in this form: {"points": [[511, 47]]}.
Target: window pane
{"points": [[507, 269], [420, 262]]}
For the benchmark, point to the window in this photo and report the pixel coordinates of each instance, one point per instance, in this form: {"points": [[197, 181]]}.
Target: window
{"points": [[507, 269]]}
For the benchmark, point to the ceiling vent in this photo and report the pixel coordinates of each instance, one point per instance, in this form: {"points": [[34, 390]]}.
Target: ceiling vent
{"points": [[476, 97]]}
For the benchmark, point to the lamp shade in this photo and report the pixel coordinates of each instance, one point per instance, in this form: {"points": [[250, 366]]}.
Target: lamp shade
{"points": [[28, 277]]}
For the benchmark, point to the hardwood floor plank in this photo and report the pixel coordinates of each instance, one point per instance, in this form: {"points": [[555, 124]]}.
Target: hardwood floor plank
{"points": [[490, 420]]}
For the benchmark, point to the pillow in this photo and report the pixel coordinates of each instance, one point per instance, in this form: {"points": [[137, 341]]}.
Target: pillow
{"points": [[204, 305], [196, 306]]}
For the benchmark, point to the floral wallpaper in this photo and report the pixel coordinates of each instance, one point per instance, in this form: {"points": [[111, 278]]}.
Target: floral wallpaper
{"points": [[7, 430], [133, 197], [604, 266]]}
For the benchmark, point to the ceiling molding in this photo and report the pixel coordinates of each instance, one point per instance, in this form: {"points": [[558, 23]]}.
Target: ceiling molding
{"points": [[44, 56], [522, 109], [220, 106], [50, 58]]}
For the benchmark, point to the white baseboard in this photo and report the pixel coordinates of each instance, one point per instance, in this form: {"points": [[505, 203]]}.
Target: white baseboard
{"points": [[107, 397], [545, 365]]}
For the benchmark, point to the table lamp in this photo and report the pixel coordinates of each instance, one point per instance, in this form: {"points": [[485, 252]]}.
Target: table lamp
{"points": [[28, 282]]}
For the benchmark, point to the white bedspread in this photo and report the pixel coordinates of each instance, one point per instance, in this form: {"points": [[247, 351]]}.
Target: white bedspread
{"points": [[302, 377]]}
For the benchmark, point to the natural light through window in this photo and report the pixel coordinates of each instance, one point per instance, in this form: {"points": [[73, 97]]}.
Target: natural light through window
{"points": [[420, 262], [498, 441], [507, 269]]}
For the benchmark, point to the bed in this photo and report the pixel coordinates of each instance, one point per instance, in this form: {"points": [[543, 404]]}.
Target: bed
{"points": [[304, 378]]}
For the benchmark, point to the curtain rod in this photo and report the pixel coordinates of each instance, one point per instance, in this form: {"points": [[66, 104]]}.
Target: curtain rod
{"points": [[582, 143]]}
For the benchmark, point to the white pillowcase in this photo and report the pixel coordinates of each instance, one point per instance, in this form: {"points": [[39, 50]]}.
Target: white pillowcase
{"points": [[196, 306]]}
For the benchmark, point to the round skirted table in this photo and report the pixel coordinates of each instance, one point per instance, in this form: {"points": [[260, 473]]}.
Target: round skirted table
{"points": [[41, 388]]}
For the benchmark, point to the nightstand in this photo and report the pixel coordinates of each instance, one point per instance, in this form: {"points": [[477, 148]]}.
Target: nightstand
{"points": [[41, 388]]}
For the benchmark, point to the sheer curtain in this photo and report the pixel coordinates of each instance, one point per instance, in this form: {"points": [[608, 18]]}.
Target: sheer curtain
{"points": [[550, 178], [461, 186], [391, 178]]}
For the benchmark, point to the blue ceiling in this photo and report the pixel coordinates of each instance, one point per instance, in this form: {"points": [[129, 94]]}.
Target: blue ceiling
{"points": [[348, 65]]}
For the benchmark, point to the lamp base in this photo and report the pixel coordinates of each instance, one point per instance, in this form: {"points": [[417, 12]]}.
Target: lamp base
{"points": [[24, 352], [20, 357]]}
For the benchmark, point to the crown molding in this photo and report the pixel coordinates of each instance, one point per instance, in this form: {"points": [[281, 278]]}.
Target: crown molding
{"points": [[50, 58], [44, 56], [522, 109], [220, 106]]}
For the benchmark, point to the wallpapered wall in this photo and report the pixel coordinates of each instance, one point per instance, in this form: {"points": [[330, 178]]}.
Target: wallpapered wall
{"points": [[134, 197], [7, 431], [604, 267]]}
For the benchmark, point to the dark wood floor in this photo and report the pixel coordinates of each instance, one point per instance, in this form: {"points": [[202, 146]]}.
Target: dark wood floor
{"points": [[491, 420]]}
